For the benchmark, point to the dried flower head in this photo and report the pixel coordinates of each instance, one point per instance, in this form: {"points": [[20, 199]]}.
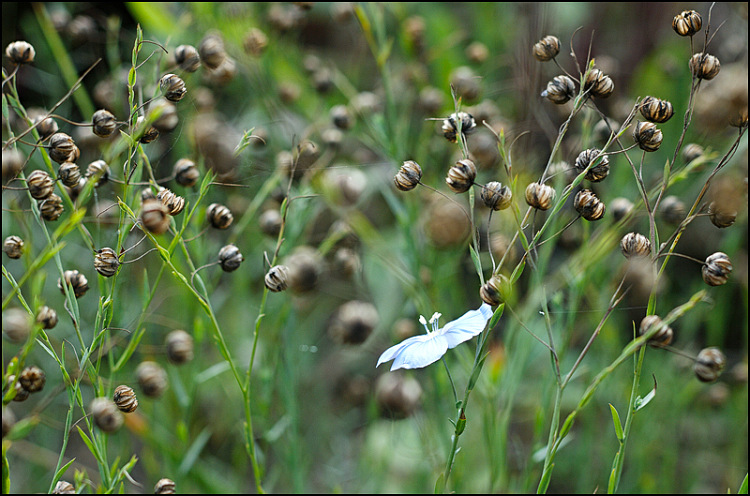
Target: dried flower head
{"points": [[341, 117], [672, 209], [40, 184], [722, 214], [461, 120], [621, 207], [185, 172], [104, 123], [596, 173], [20, 52], [397, 396], [277, 278], [687, 23], [635, 245], [408, 176], [64, 487], [62, 148], [647, 136], [466, 83], [230, 258], [125, 399], [709, 364], [211, 50], [560, 90], [704, 66], [692, 151], [20, 393], [76, 281], [304, 266], [461, 176], [164, 486], [540, 196], [491, 291], [255, 42], [496, 196], [716, 269], [547, 48], [656, 110], [589, 205], [187, 58]]}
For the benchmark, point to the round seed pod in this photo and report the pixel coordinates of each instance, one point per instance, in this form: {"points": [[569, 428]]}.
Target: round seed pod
{"points": [[635, 245], [451, 124], [164, 486], [69, 174], [174, 203], [477, 52], [738, 117], [466, 83], [408, 176], [672, 210], [716, 269], [165, 112], [211, 51], [62, 148], [97, 171], [490, 291], [13, 246], [76, 281], [346, 262], [461, 176], [445, 223], [106, 262], [709, 364], [255, 42], [277, 279], [51, 208], [341, 117], [125, 399], [64, 487], [40, 184], [398, 396], [9, 421], [598, 84], [589, 205], [20, 52], [496, 196], [149, 134], [179, 347], [656, 110], [46, 317], [704, 66], [687, 23], [721, 216], [16, 324], [663, 336], [13, 162], [154, 216], [21, 393], [304, 266], [560, 90], [187, 58], [32, 379], [647, 136], [547, 48], [230, 258], [45, 126], [224, 73], [621, 207], [599, 171], [540, 196], [106, 415], [104, 123], [173, 87], [270, 222], [219, 216], [186, 173], [147, 194], [353, 322], [152, 378], [430, 100], [691, 152]]}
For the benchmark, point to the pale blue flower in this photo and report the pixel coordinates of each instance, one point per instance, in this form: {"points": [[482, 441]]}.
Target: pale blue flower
{"points": [[420, 351]]}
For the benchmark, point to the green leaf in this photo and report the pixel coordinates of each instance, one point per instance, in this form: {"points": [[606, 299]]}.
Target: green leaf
{"points": [[475, 259], [439, 483], [61, 472], [496, 316], [22, 428], [616, 420], [646, 399], [6, 470], [743, 486], [544, 482], [612, 477], [90, 444]]}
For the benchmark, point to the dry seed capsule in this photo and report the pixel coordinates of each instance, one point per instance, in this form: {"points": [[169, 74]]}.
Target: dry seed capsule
{"points": [[621, 207], [451, 124], [397, 396], [687, 23], [211, 50], [21, 393], [341, 117], [490, 291], [589, 205], [173, 87], [32, 379], [560, 90], [186, 173], [647, 136], [155, 216], [738, 117], [51, 208], [277, 279], [46, 317], [716, 269], [270, 222], [174, 203], [164, 486], [20, 52], [64, 487], [304, 269], [106, 262], [179, 346], [704, 66], [151, 378], [77, 282], [13, 246], [656, 110], [147, 194], [547, 48], [598, 84], [98, 171], [106, 415], [165, 112], [672, 209], [635, 245], [466, 83], [663, 336], [408, 176], [104, 123], [16, 324], [9, 421], [149, 134], [477, 52], [709, 364], [540, 196], [187, 58], [496, 196], [596, 173], [40, 184], [353, 322], [230, 258], [721, 217], [691, 152], [45, 126], [13, 163], [125, 399], [62, 148], [219, 216], [461, 176], [255, 42], [69, 174]]}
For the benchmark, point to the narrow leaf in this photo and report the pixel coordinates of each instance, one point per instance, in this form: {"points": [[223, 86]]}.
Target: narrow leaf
{"points": [[646, 399], [616, 420], [743, 486]]}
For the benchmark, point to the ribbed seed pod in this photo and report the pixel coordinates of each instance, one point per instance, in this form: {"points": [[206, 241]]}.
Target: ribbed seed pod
{"points": [[174, 203], [97, 171], [32, 379], [270, 222], [45, 126], [599, 84], [164, 113], [76, 281], [186, 173], [51, 208], [461, 176], [106, 262], [589, 205], [16, 324], [304, 267], [21, 393], [691, 152], [560, 90], [353, 322], [46, 317], [211, 50], [152, 378], [164, 486], [69, 174], [62, 148], [13, 246], [106, 415], [647, 136], [255, 42], [672, 209], [716, 269], [20, 52], [230, 258], [635, 245], [64, 487], [496, 196], [187, 58], [656, 110], [147, 194], [40, 184], [408, 176], [451, 124], [599, 171], [398, 396], [219, 216], [687, 23], [547, 48], [104, 123], [125, 399], [173, 87], [149, 134], [720, 216], [704, 66], [709, 364], [179, 347], [277, 279], [341, 117], [155, 216], [620, 208], [490, 291], [738, 117], [663, 336], [466, 83], [540, 196]]}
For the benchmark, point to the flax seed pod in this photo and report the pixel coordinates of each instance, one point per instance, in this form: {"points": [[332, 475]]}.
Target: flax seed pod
{"points": [[277, 278], [408, 176], [186, 173], [76, 281], [270, 222], [490, 291], [149, 134], [672, 209], [547, 48], [466, 83], [304, 266], [589, 205], [46, 317], [692, 151], [21, 393], [211, 51], [187, 58], [174, 203], [656, 110], [599, 171], [173, 87], [635, 245], [461, 176], [51, 208], [106, 262], [155, 216], [560, 90], [179, 347], [398, 396], [64, 487], [147, 194], [663, 336], [721, 215], [716, 269], [687, 23], [353, 322], [106, 415], [32, 379], [40, 184], [540, 196], [451, 125], [62, 148], [230, 258], [647, 136], [709, 364], [704, 66], [163, 115], [69, 174], [255, 42], [598, 84], [20, 52], [104, 123], [496, 196], [341, 117], [151, 378], [13, 246], [219, 216], [164, 486], [16, 324], [621, 207], [125, 399], [97, 171], [45, 126]]}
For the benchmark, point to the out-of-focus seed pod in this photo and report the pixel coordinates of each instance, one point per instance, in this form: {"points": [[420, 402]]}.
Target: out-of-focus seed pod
{"points": [[125, 399], [408, 176], [211, 50], [106, 262], [32, 379], [540, 196], [704, 66], [51, 208], [461, 176], [174, 203], [490, 291], [230, 258], [721, 216], [647, 136], [64, 487], [663, 336], [69, 174], [599, 171], [598, 84], [16, 324], [547, 48], [186, 173], [62, 148], [589, 205], [40, 184], [149, 134], [344, 185], [635, 245], [45, 126], [560, 90], [304, 267], [496, 196], [466, 83], [155, 216], [219, 216], [620, 207], [255, 42], [163, 115], [656, 110], [104, 123], [277, 278], [451, 125], [173, 87], [398, 396], [13, 246], [164, 486], [21, 393], [147, 194], [341, 117], [353, 322], [716, 269], [738, 117], [97, 171], [430, 100], [709, 364], [13, 163], [187, 58], [672, 209], [477, 52], [179, 347], [152, 378], [691, 152], [106, 415], [76, 281], [446, 224], [46, 317], [9, 420], [270, 222], [226, 71], [346, 262], [687, 23], [20, 52]]}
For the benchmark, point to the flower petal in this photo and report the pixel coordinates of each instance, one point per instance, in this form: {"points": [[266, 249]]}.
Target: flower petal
{"points": [[418, 354], [394, 350], [467, 326]]}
